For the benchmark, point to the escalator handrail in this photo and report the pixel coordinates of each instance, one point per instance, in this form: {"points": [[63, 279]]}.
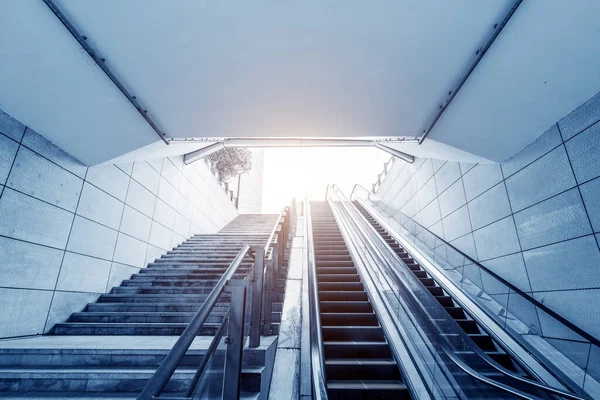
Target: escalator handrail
{"points": [[465, 337], [317, 354], [522, 294]]}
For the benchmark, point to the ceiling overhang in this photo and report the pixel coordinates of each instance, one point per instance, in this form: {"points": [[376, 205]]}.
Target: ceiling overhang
{"points": [[202, 71]]}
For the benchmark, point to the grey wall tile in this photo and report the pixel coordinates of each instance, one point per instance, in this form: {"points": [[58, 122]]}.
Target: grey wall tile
{"points": [[40, 145], [427, 193], [110, 179], [157, 164], [160, 236], [542, 145], [167, 192], [497, 239], [583, 116], [83, 274], [578, 306], [489, 207], [437, 164], [424, 173], [164, 214], [181, 225], [146, 175], [171, 173], [466, 244], [591, 197], [8, 151], [38, 177], [176, 240], [118, 273], [512, 269], [184, 207], [23, 217], [546, 177], [23, 311], [447, 175], [130, 251], [153, 253], [453, 198], [457, 224], [559, 218], [11, 127], [466, 167], [135, 224], [66, 303], [574, 264], [127, 168], [100, 207], [481, 178], [584, 151], [27, 265], [431, 214], [140, 199], [92, 239]]}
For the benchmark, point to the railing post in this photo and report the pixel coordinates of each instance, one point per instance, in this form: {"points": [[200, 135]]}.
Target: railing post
{"points": [[268, 298], [257, 288], [235, 340]]}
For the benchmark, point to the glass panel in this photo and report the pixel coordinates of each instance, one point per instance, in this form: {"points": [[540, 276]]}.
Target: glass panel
{"points": [[210, 384]]}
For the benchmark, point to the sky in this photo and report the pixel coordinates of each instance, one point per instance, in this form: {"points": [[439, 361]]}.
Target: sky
{"points": [[292, 172]]}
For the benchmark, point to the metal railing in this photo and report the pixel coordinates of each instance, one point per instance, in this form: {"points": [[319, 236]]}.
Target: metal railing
{"points": [[274, 251], [262, 297], [235, 337], [419, 236], [381, 176]]}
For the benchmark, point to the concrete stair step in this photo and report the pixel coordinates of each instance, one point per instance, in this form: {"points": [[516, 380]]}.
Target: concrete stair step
{"points": [[104, 379], [153, 298], [151, 307], [104, 328], [142, 317]]}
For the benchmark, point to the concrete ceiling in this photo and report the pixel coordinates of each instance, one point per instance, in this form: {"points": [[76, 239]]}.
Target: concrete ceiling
{"points": [[297, 69]]}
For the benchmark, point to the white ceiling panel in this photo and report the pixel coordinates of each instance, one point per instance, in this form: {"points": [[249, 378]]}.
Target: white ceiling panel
{"points": [[294, 68]]}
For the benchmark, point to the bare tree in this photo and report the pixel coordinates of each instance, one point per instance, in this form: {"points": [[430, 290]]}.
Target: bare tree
{"points": [[230, 161]]}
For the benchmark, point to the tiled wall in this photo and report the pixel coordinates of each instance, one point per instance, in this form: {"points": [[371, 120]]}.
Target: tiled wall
{"points": [[69, 233], [534, 219]]}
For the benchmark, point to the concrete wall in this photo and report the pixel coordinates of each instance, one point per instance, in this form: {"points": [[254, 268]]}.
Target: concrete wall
{"points": [[534, 219], [69, 232]]}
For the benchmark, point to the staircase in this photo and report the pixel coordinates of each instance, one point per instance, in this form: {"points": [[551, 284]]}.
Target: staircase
{"points": [[358, 360], [114, 345]]}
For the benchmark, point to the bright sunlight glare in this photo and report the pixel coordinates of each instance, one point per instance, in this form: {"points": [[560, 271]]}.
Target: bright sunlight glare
{"points": [[295, 172]]}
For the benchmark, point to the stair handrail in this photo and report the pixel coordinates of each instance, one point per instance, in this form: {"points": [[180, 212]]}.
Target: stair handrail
{"points": [[533, 301], [487, 360], [169, 364], [317, 353]]}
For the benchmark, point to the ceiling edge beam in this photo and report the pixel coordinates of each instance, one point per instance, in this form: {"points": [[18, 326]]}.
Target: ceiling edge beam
{"points": [[102, 64], [397, 153], [480, 53], [201, 153]]}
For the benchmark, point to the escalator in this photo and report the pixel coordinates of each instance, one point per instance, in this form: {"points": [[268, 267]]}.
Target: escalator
{"points": [[357, 358], [388, 329], [473, 330]]}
